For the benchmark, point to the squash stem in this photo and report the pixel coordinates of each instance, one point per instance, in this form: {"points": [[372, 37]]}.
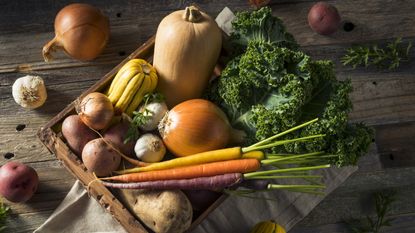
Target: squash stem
{"points": [[192, 14]]}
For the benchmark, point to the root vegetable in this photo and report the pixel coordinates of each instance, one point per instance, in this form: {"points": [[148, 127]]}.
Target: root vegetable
{"points": [[116, 134], [196, 126], [81, 30], [200, 170], [95, 110], [154, 112], [150, 148], [99, 157], [77, 134], [18, 181], [217, 182], [324, 18], [166, 211], [231, 153]]}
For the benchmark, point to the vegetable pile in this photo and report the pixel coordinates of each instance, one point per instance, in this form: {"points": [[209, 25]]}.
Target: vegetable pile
{"points": [[271, 86], [274, 113]]}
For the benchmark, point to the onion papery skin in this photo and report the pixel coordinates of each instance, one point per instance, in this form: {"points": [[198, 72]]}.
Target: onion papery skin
{"points": [[81, 30], [95, 110], [195, 126]]}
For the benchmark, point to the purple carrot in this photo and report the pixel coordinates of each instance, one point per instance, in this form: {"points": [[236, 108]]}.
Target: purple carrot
{"points": [[206, 183]]}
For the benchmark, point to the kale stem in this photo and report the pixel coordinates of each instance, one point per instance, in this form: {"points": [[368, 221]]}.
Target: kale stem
{"points": [[283, 133], [278, 143], [270, 172]]}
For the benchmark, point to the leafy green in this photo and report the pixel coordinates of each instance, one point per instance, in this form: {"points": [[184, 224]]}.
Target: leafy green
{"points": [[141, 117], [270, 88], [259, 25], [389, 57], [383, 202], [4, 211]]}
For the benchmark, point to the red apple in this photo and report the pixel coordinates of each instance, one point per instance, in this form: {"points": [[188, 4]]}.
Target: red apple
{"points": [[324, 18], [18, 181]]}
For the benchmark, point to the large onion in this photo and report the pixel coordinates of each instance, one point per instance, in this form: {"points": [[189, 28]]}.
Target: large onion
{"points": [[196, 126], [81, 30], [95, 110]]}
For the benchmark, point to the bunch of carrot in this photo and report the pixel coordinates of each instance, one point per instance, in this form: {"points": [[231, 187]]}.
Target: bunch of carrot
{"points": [[226, 168]]}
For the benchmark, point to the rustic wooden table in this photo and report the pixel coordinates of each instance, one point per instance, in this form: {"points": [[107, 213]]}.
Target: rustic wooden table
{"points": [[384, 100]]}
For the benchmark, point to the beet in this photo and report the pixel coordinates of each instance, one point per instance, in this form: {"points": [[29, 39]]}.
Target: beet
{"points": [[324, 18]]}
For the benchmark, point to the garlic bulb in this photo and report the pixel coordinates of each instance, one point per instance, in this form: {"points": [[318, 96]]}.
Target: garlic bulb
{"points": [[150, 148], [29, 91], [155, 111]]}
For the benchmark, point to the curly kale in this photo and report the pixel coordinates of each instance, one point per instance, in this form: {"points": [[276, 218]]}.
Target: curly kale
{"points": [[261, 26], [271, 87]]}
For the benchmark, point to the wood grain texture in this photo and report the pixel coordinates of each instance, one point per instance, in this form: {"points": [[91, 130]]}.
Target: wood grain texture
{"points": [[385, 100]]}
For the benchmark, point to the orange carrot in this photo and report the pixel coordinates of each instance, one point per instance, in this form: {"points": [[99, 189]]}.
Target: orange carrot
{"points": [[194, 171], [199, 158]]}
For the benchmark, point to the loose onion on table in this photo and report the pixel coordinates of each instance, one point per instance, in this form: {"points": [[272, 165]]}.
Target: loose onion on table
{"points": [[81, 30], [196, 126], [95, 110]]}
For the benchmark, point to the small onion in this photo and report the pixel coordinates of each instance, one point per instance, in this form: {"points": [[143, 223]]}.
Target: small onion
{"points": [[81, 30], [196, 126], [95, 110]]}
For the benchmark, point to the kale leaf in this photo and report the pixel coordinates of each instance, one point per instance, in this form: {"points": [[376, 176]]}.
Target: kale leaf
{"points": [[272, 86]]}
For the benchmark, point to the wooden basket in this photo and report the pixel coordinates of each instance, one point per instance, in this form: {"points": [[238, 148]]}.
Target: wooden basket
{"points": [[50, 136]]}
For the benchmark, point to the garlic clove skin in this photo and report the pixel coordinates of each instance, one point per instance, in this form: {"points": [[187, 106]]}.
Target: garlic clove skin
{"points": [[29, 91], [156, 111], [150, 148]]}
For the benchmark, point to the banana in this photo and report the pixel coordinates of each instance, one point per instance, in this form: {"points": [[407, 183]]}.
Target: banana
{"points": [[133, 86], [138, 97]]}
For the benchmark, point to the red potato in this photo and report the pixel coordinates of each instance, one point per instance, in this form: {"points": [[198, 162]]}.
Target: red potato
{"points": [[99, 157], [18, 181], [77, 134], [324, 18], [116, 134]]}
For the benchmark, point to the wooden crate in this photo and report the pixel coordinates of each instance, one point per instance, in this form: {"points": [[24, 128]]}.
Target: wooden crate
{"points": [[51, 137]]}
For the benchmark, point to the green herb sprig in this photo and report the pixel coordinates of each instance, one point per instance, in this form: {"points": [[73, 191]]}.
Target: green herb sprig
{"points": [[383, 203], [141, 117], [4, 212], [389, 57]]}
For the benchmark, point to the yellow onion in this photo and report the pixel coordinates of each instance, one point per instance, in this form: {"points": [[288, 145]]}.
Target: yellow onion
{"points": [[81, 30], [195, 126], [95, 110]]}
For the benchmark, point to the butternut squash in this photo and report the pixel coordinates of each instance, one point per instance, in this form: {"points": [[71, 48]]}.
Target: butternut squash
{"points": [[187, 47]]}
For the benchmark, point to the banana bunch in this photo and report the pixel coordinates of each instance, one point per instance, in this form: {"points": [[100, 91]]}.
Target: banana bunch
{"points": [[135, 79], [267, 227]]}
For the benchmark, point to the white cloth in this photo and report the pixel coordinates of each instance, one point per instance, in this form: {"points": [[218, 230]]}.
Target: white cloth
{"points": [[80, 213]]}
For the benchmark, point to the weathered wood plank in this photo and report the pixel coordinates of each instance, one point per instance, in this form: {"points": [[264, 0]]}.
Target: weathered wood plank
{"points": [[382, 99]]}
